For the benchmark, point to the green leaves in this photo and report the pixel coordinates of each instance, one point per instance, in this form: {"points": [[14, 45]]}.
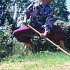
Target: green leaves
{"points": [[60, 10]]}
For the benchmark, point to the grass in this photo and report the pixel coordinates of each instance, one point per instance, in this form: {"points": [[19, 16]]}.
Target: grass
{"points": [[34, 61]]}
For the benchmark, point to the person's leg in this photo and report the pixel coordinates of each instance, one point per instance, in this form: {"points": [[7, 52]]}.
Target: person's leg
{"points": [[24, 35], [26, 47], [62, 45]]}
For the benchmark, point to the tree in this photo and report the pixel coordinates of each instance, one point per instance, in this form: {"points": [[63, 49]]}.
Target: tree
{"points": [[60, 10], [5, 29], [7, 8]]}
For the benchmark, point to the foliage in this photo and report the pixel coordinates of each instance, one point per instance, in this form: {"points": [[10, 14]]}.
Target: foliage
{"points": [[60, 10], [39, 44], [6, 44], [67, 30], [8, 10]]}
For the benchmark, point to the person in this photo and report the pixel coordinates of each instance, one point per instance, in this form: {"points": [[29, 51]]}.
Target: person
{"points": [[41, 18]]}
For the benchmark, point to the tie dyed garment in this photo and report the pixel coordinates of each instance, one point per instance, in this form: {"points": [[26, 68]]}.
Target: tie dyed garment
{"points": [[40, 16]]}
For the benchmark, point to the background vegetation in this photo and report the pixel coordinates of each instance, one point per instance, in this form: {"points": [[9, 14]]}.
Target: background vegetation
{"points": [[10, 12]]}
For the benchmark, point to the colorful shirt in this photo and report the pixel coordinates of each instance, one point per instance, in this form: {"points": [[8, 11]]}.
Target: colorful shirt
{"points": [[40, 15]]}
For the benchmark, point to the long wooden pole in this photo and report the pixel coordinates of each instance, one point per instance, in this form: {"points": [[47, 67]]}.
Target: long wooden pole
{"points": [[49, 40]]}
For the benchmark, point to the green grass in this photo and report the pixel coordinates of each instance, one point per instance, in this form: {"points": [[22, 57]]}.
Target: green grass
{"points": [[33, 61]]}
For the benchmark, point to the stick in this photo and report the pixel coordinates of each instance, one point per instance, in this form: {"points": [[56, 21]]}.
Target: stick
{"points": [[49, 40]]}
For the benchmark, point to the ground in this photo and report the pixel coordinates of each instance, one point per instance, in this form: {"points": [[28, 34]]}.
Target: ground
{"points": [[58, 67], [21, 66]]}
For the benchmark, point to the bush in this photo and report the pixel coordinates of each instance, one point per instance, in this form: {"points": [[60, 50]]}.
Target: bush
{"points": [[67, 30], [6, 41]]}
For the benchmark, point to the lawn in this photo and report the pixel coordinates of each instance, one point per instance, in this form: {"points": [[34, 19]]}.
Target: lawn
{"points": [[40, 61]]}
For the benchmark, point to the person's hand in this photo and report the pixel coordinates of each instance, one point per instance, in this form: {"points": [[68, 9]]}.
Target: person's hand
{"points": [[25, 23], [43, 35]]}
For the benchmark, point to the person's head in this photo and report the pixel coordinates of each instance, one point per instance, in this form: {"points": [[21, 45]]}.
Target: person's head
{"points": [[46, 2]]}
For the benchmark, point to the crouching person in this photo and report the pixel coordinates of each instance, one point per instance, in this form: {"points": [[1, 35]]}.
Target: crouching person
{"points": [[40, 15]]}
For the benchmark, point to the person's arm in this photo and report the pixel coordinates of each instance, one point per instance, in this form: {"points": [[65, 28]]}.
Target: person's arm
{"points": [[48, 23], [25, 18], [27, 12]]}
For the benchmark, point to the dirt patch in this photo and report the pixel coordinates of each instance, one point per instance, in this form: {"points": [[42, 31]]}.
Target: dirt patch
{"points": [[16, 66], [61, 67], [66, 66], [20, 66]]}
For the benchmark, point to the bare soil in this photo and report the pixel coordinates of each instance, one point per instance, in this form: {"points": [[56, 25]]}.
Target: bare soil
{"points": [[20, 66], [66, 66]]}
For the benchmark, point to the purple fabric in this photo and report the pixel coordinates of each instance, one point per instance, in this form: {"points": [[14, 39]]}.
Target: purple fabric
{"points": [[40, 15]]}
